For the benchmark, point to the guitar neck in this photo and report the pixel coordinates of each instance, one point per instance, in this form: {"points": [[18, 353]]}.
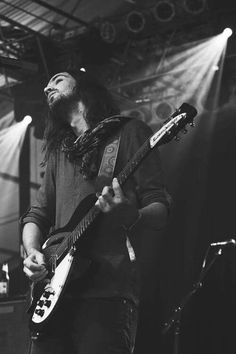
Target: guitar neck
{"points": [[133, 164]]}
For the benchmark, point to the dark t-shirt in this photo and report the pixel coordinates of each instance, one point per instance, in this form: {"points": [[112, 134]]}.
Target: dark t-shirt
{"points": [[113, 271]]}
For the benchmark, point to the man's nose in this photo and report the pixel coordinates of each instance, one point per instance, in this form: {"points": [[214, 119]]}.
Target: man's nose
{"points": [[47, 90]]}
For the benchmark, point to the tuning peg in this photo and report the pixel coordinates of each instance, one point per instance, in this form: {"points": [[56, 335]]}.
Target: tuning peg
{"points": [[184, 131], [192, 124], [177, 138]]}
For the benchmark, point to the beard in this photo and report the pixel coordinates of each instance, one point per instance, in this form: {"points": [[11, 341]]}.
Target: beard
{"points": [[62, 106]]}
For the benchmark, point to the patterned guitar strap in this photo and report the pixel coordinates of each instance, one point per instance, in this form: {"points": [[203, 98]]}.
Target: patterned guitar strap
{"points": [[105, 175]]}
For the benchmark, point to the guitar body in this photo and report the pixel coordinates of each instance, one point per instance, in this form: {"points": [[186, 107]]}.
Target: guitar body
{"points": [[50, 293], [45, 296]]}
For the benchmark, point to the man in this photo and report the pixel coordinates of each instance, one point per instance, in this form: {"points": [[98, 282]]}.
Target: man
{"points": [[98, 312]]}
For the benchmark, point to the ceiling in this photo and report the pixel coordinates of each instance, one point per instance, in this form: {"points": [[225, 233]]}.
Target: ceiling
{"points": [[38, 37]]}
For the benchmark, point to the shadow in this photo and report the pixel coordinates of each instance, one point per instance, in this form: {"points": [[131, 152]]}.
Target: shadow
{"points": [[8, 177]]}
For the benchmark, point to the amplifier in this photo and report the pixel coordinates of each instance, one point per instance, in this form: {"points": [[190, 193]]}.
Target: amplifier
{"points": [[14, 334]]}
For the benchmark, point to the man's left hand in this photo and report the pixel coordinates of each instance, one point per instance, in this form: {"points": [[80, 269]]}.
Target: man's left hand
{"points": [[113, 199]]}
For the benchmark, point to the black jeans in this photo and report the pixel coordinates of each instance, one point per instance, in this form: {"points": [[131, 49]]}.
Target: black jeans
{"points": [[89, 326]]}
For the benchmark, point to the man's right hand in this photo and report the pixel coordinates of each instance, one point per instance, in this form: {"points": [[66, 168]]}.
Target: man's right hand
{"points": [[35, 266]]}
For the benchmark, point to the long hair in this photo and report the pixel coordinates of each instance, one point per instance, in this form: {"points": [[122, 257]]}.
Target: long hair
{"points": [[99, 105]]}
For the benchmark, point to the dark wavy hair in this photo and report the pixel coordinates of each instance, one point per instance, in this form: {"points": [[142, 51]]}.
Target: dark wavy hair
{"points": [[99, 104]]}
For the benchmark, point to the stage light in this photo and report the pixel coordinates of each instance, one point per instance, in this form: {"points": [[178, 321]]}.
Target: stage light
{"points": [[163, 110], [194, 7], [164, 11], [135, 21], [194, 65], [27, 119], [227, 32], [82, 69]]}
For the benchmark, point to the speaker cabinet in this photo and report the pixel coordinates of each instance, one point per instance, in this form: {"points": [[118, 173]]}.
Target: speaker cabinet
{"points": [[14, 334]]}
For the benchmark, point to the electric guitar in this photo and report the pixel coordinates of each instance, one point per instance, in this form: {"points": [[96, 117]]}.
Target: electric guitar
{"points": [[59, 257]]}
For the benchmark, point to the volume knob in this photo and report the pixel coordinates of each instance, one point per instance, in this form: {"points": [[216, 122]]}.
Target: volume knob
{"points": [[40, 303], [47, 303], [39, 312]]}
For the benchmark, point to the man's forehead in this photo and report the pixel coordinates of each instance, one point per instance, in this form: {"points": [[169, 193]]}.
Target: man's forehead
{"points": [[64, 74]]}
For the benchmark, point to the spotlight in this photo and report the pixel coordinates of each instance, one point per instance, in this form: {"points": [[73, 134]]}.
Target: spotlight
{"points": [[82, 69], [164, 11], [194, 7], [227, 32], [163, 110], [27, 120], [135, 21]]}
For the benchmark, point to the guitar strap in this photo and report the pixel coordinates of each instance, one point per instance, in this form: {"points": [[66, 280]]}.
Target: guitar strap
{"points": [[108, 163], [105, 176]]}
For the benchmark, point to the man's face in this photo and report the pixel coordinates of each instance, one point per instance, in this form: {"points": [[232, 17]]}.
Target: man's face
{"points": [[60, 86]]}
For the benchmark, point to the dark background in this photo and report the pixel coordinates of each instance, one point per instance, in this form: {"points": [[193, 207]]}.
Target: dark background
{"points": [[199, 169]]}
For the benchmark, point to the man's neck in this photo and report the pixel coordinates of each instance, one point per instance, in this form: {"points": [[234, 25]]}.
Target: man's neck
{"points": [[77, 119]]}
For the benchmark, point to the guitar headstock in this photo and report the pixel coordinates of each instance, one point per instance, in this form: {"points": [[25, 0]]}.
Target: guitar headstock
{"points": [[177, 122]]}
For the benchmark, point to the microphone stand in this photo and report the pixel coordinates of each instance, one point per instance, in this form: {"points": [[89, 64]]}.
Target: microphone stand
{"points": [[175, 318]]}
